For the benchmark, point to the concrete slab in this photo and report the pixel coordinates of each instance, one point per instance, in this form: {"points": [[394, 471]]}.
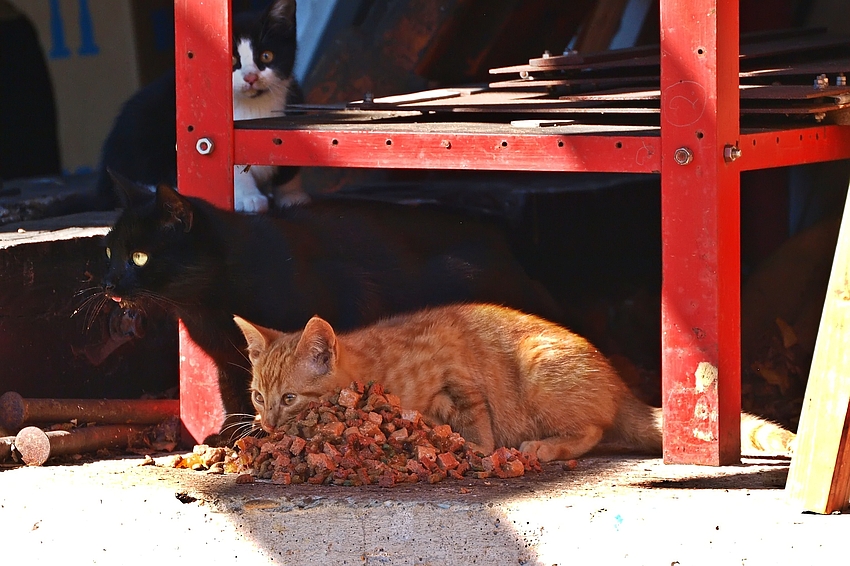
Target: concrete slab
{"points": [[609, 510]]}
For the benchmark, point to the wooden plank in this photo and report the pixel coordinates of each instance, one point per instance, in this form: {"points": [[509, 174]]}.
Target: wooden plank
{"points": [[598, 82], [597, 31], [700, 204], [792, 92], [830, 67], [819, 478]]}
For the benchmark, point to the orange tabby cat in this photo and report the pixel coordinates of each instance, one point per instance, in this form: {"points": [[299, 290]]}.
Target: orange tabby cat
{"points": [[497, 376]]}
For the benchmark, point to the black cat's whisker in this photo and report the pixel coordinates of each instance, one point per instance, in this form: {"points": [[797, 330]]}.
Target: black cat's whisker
{"points": [[86, 290], [158, 299], [234, 427], [91, 306], [240, 429], [244, 357], [255, 431], [239, 419], [241, 353], [86, 303], [234, 364], [246, 430], [245, 415], [98, 308]]}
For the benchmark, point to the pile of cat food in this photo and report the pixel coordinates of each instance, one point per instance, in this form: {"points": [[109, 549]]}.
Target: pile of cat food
{"points": [[360, 436]]}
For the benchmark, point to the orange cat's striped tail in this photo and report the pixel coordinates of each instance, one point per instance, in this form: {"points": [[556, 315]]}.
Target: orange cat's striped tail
{"points": [[638, 428], [760, 436]]}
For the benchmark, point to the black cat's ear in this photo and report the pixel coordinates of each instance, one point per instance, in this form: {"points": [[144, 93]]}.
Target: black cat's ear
{"points": [[281, 12], [129, 194], [318, 346], [257, 337], [176, 210]]}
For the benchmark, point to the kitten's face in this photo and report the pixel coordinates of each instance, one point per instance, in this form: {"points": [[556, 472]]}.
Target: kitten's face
{"points": [[288, 371], [264, 52], [146, 250]]}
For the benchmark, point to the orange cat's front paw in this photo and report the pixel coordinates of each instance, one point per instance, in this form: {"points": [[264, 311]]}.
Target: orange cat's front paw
{"points": [[533, 448], [478, 448]]}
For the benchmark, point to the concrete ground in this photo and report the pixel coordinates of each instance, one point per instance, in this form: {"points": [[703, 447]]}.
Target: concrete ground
{"points": [[607, 511]]}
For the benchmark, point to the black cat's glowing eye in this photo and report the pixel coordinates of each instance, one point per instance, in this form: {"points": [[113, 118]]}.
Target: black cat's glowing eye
{"points": [[140, 258], [266, 56], [108, 253], [289, 398], [258, 398]]}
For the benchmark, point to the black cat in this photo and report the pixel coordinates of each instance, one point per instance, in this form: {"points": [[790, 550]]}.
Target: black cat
{"points": [[350, 262], [141, 144]]}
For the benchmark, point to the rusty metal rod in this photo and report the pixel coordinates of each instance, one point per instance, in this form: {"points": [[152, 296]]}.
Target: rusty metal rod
{"points": [[15, 411], [35, 446]]}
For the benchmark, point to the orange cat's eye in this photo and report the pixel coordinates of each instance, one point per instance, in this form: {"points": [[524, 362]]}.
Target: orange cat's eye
{"points": [[289, 398], [258, 398], [266, 56]]}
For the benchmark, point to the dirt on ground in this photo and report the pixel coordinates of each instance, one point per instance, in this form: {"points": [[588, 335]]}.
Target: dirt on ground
{"points": [[607, 510]]}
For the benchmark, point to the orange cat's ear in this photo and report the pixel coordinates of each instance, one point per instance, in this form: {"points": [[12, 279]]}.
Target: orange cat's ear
{"points": [[258, 337], [318, 346]]}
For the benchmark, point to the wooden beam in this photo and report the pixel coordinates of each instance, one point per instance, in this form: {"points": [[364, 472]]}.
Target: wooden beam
{"points": [[819, 478], [601, 26]]}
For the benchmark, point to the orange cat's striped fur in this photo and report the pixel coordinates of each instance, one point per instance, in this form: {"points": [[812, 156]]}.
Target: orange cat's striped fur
{"points": [[497, 376]]}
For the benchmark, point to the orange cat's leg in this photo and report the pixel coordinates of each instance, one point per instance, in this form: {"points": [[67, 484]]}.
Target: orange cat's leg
{"points": [[563, 447], [474, 425], [471, 419]]}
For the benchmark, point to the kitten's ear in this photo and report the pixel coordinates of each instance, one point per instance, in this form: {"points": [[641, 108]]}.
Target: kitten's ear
{"points": [[175, 209], [257, 337], [318, 346], [128, 192], [282, 12]]}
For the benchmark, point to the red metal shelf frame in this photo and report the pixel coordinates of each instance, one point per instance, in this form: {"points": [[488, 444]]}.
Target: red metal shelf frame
{"points": [[701, 358]]}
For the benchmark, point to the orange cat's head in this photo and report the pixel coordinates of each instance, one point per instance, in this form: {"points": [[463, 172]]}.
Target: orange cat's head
{"points": [[289, 370]]}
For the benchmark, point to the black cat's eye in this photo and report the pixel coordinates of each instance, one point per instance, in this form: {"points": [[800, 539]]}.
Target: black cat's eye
{"points": [[140, 258], [258, 398], [289, 398], [108, 253], [266, 56]]}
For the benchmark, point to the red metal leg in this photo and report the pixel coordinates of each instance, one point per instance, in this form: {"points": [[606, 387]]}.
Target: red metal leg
{"points": [[204, 168], [700, 232]]}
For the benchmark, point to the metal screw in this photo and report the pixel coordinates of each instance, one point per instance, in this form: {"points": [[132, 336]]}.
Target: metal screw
{"points": [[446, 144], [683, 156], [821, 82], [204, 146], [546, 54], [841, 80], [731, 153], [368, 98]]}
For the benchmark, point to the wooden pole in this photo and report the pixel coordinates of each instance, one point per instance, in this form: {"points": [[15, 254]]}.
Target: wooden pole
{"points": [[819, 478]]}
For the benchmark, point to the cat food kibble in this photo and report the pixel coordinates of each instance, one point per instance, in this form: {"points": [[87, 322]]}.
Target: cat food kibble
{"points": [[359, 435]]}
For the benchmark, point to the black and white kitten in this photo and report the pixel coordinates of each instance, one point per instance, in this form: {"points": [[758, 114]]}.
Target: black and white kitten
{"points": [[141, 144]]}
